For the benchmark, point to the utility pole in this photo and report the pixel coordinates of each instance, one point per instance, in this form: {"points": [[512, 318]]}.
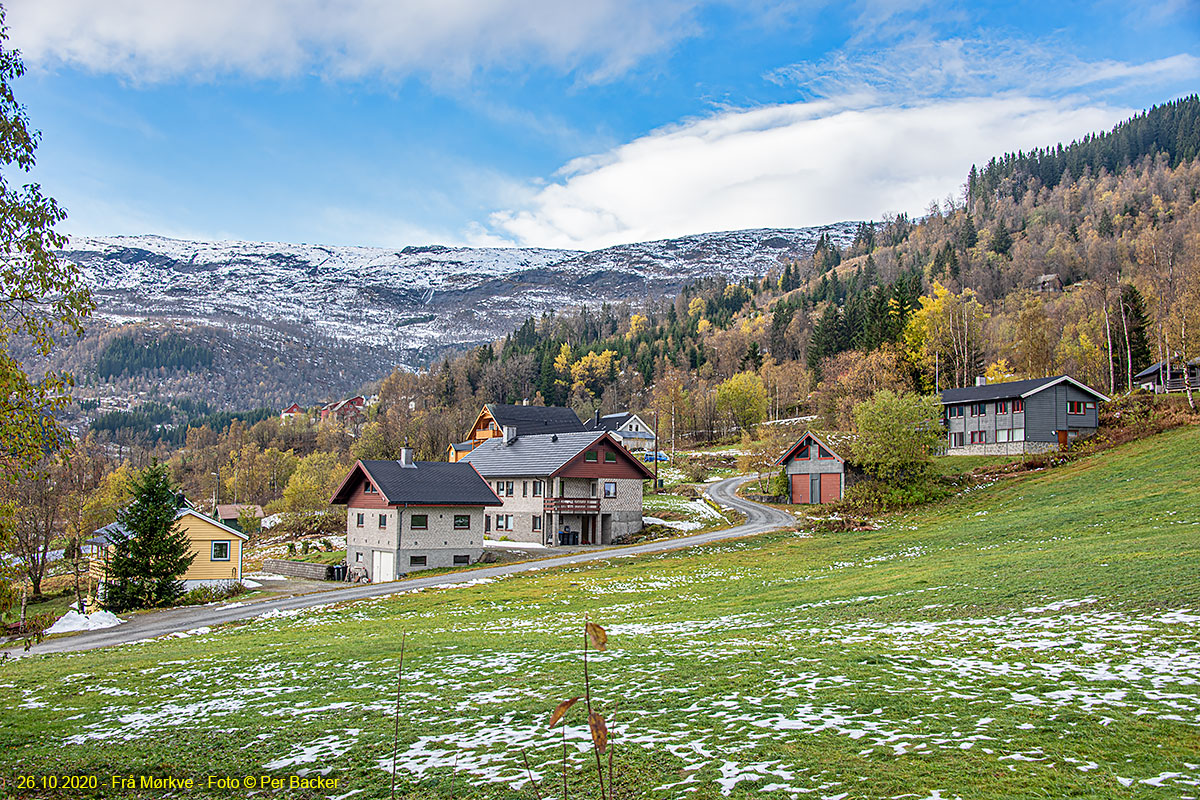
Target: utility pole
{"points": [[656, 449]]}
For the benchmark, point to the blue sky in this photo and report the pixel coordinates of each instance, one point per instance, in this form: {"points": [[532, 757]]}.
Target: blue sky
{"points": [[530, 122]]}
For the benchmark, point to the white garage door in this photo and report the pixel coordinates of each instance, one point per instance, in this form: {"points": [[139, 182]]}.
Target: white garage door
{"points": [[383, 567]]}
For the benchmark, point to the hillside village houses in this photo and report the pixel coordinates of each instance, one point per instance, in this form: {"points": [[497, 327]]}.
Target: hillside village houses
{"points": [[1162, 377], [562, 488], [408, 515], [1027, 416]]}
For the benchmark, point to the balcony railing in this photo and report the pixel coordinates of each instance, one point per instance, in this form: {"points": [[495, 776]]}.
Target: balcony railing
{"points": [[572, 505]]}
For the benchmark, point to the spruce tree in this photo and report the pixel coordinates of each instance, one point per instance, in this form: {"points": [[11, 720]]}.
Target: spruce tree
{"points": [[150, 553]]}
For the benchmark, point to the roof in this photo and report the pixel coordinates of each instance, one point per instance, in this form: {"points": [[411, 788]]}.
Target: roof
{"points": [[462, 446], [535, 455], [1009, 389], [840, 443], [609, 422], [534, 420], [234, 510], [104, 535], [427, 483], [1158, 365]]}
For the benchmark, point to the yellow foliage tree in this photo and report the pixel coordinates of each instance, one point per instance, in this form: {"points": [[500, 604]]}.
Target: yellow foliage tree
{"points": [[591, 371]]}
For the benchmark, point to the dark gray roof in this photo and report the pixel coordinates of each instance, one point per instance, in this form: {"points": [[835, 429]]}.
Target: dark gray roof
{"points": [[1157, 365], [1010, 389], [609, 422], [534, 420], [528, 455], [427, 483]]}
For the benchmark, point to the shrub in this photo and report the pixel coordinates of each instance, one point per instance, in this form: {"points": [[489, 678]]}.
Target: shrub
{"points": [[326, 545], [305, 547], [211, 594], [873, 496], [291, 548]]}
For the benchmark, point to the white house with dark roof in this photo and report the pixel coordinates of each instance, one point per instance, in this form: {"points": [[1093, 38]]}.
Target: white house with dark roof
{"points": [[1029, 416], [410, 515], [561, 489], [628, 428]]}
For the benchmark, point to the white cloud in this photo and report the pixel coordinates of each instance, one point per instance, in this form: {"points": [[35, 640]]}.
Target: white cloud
{"points": [[788, 165], [972, 67], [150, 40]]}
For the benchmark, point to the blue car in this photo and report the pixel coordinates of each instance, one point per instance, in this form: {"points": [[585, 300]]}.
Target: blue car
{"points": [[649, 457]]}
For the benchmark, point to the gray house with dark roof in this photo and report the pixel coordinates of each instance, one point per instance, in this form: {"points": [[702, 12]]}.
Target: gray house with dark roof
{"points": [[562, 489], [407, 515], [1162, 377], [1029, 416]]}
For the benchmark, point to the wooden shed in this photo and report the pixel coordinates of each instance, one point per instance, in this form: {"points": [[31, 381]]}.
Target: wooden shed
{"points": [[818, 469]]}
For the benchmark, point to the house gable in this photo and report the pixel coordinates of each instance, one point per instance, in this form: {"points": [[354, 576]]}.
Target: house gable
{"points": [[624, 465], [809, 438]]}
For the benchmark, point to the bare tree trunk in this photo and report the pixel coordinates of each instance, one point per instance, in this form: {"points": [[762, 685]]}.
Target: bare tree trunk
{"points": [[1108, 339], [1128, 346]]}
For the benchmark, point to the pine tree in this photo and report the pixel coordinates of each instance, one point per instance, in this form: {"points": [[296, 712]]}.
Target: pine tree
{"points": [[149, 551]]}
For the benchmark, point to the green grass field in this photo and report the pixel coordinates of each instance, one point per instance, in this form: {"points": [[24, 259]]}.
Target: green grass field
{"points": [[1035, 637]]}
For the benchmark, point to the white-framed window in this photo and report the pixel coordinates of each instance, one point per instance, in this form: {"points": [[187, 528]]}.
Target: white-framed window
{"points": [[508, 487], [1018, 434], [504, 522], [221, 550], [610, 488], [956, 439], [1018, 406], [1003, 435], [592, 486], [1076, 407]]}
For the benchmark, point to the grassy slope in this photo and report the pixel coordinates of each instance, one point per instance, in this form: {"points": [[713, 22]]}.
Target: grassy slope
{"points": [[924, 657]]}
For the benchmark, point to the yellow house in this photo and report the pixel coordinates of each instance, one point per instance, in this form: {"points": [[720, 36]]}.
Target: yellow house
{"points": [[216, 547]]}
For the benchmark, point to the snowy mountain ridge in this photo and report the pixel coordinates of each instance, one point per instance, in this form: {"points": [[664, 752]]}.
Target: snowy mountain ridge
{"points": [[414, 301]]}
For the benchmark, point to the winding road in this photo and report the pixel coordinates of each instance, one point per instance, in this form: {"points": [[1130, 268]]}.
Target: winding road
{"points": [[759, 519]]}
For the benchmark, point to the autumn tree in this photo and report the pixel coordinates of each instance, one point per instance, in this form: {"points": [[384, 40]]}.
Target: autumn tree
{"points": [[42, 297], [897, 434], [744, 398], [945, 337], [853, 377], [34, 501]]}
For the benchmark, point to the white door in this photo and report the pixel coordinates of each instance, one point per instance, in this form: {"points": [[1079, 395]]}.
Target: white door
{"points": [[383, 567]]}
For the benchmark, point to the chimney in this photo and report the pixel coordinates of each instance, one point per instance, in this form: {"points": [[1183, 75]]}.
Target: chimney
{"points": [[981, 380], [510, 434], [406, 459], [596, 420], [525, 402]]}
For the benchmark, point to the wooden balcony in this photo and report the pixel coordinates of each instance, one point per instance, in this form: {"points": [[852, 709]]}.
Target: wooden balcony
{"points": [[572, 505]]}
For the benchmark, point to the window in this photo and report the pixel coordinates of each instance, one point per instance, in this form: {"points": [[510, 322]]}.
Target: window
{"points": [[504, 522], [368, 488], [590, 456], [592, 487], [358, 557], [1003, 435], [978, 409], [1018, 434], [1018, 406], [524, 488], [610, 488], [824, 453], [1091, 406], [803, 454], [419, 522], [537, 522], [508, 488], [220, 551], [416, 561], [462, 559], [487, 523], [383, 520], [361, 521], [978, 437], [954, 411], [537, 488], [956, 439], [1076, 407], [462, 522], [1001, 406], [610, 457]]}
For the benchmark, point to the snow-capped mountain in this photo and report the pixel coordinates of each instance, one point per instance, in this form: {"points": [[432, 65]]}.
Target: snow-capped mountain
{"points": [[414, 301]]}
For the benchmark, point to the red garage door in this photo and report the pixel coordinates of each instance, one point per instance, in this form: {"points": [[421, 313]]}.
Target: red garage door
{"points": [[831, 487], [799, 488]]}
